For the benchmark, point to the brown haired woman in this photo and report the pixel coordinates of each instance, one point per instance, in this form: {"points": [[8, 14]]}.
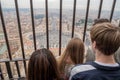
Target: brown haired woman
{"points": [[42, 66], [73, 54]]}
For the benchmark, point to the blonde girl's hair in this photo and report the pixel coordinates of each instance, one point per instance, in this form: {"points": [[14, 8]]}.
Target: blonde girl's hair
{"points": [[75, 50]]}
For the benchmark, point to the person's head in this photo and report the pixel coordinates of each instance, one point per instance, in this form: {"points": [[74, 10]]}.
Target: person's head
{"points": [[73, 54], [99, 21], [90, 56], [105, 37], [42, 66]]}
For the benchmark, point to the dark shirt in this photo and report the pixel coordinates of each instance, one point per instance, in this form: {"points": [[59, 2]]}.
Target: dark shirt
{"points": [[94, 71]]}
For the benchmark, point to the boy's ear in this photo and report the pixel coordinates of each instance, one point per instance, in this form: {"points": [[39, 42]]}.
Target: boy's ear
{"points": [[94, 44]]}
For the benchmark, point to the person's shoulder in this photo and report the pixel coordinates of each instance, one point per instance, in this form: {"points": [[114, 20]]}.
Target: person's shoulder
{"points": [[81, 68], [58, 59]]}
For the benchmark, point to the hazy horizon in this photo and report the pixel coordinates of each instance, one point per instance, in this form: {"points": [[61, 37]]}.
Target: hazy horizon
{"points": [[67, 4]]}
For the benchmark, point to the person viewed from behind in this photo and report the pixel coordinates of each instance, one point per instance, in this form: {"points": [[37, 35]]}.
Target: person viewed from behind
{"points": [[42, 66], [101, 20], [73, 54], [90, 56], [105, 42]]}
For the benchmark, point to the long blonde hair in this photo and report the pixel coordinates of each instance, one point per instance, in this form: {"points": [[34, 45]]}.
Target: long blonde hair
{"points": [[74, 50]]}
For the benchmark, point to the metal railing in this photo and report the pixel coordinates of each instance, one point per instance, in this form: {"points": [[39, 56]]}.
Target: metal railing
{"points": [[7, 62]]}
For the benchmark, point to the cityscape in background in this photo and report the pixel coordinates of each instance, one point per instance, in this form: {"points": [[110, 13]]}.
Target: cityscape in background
{"points": [[11, 24], [40, 29]]}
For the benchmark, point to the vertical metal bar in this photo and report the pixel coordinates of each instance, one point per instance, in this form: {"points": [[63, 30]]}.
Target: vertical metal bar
{"points": [[1, 74], [5, 32], [47, 33], [73, 23], [18, 69], [86, 19], [119, 23], [112, 10], [9, 70], [20, 33], [33, 25], [100, 8], [60, 27]]}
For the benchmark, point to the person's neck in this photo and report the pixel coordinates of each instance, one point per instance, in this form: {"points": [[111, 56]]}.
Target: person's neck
{"points": [[100, 57]]}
